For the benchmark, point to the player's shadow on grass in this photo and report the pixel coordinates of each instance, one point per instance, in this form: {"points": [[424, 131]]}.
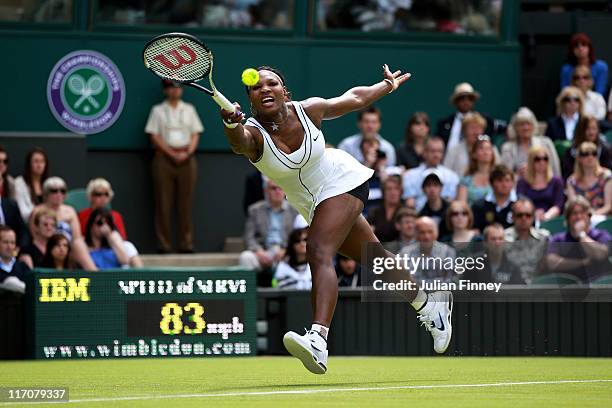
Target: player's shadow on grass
{"points": [[361, 384]]}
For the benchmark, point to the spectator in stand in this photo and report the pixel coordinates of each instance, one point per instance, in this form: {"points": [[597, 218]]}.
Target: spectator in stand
{"points": [[410, 150], [9, 215], [105, 244], [458, 158], [540, 186], [174, 127], [29, 186], [591, 181], [580, 52], [522, 136], [405, 224], [266, 232], [526, 244], [12, 271], [42, 228], [7, 183], [348, 271], [587, 131], [594, 103], [54, 193], [496, 206], [100, 194], [589, 259], [57, 253], [569, 110], [459, 222], [369, 123], [475, 184], [435, 207], [382, 216], [427, 247], [293, 272], [413, 178], [375, 159], [463, 98]]}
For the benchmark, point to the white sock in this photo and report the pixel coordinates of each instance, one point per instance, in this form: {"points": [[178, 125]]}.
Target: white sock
{"points": [[419, 301], [322, 330]]}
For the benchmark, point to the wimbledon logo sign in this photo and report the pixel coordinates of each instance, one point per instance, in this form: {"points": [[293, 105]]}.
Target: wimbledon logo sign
{"points": [[85, 92]]}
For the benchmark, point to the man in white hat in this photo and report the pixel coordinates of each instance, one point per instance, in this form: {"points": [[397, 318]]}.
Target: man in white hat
{"points": [[463, 98]]}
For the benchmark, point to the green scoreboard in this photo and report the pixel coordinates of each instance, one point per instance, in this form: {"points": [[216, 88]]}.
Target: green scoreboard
{"points": [[131, 313]]}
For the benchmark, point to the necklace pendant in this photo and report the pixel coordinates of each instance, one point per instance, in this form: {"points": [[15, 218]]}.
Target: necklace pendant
{"points": [[274, 126]]}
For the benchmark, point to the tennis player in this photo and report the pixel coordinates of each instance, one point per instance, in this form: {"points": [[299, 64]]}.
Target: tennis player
{"points": [[283, 140]]}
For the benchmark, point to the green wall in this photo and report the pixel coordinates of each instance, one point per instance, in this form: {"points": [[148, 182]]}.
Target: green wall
{"points": [[313, 66]]}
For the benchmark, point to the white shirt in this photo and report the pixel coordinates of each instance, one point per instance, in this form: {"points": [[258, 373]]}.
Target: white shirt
{"points": [[352, 145], [594, 105], [570, 125], [413, 181], [175, 125], [455, 133]]}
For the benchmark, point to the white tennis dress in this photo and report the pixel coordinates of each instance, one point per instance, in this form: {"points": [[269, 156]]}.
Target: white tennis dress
{"points": [[312, 173]]}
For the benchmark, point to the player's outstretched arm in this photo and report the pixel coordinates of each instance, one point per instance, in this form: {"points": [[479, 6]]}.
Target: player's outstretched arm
{"points": [[241, 140], [355, 98]]}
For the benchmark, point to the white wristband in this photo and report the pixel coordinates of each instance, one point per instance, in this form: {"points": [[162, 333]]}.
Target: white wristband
{"points": [[230, 125], [390, 83]]}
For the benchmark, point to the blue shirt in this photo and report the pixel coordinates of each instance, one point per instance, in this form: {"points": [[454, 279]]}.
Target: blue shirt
{"points": [[599, 72], [275, 230], [104, 258]]}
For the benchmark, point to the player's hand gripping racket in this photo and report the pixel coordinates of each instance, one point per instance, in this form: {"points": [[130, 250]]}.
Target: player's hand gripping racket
{"points": [[183, 58]]}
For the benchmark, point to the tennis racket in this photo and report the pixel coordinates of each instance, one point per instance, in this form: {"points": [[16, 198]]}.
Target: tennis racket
{"points": [[183, 58]]}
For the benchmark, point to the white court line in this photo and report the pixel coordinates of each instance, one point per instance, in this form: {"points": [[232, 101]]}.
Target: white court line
{"points": [[309, 391]]}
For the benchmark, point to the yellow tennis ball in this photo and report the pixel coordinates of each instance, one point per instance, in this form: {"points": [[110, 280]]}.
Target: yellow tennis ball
{"points": [[250, 77]]}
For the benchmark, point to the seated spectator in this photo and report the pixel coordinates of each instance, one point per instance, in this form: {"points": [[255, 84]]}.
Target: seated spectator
{"points": [[526, 244], [266, 232], [410, 150], [458, 158], [587, 131], [591, 181], [105, 244], [594, 103], [459, 222], [375, 159], [10, 215], [294, 272], [540, 186], [496, 207], [475, 184], [54, 193], [382, 216], [405, 224], [12, 271], [435, 207], [463, 98], [43, 227], [413, 178], [522, 136], [581, 250], [369, 123], [29, 186], [57, 253], [570, 103], [427, 247], [580, 53], [498, 266], [348, 272], [100, 194], [7, 183]]}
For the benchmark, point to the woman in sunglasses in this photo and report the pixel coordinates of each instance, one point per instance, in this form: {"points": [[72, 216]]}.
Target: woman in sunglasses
{"points": [[590, 180], [587, 131], [54, 192], [594, 103], [540, 186], [459, 221], [105, 244], [100, 194], [569, 110], [580, 52], [294, 272]]}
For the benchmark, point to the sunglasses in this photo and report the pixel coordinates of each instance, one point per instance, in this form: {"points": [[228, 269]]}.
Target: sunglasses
{"points": [[4, 161], [540, 158], [100, 223], [577, 77], [570, 99], [523, 215], [456, 213], [581, 44], [587, 153], [100, 193], [57, 190]]}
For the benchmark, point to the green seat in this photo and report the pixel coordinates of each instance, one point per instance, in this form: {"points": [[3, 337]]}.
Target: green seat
{"points": [[561, 146], [604, 280], [556, 279], [555, 225], [77, 199], [605, 225]]}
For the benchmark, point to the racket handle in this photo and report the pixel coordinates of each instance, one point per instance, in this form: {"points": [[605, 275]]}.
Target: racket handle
{"points": [[223, 102]]}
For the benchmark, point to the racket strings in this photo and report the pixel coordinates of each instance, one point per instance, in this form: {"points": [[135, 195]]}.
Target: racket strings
{"points": [[178, 59]]}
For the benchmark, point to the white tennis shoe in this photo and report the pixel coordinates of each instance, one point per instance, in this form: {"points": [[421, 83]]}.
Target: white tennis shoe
{"points": [[436, 317], [310, 349]]}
